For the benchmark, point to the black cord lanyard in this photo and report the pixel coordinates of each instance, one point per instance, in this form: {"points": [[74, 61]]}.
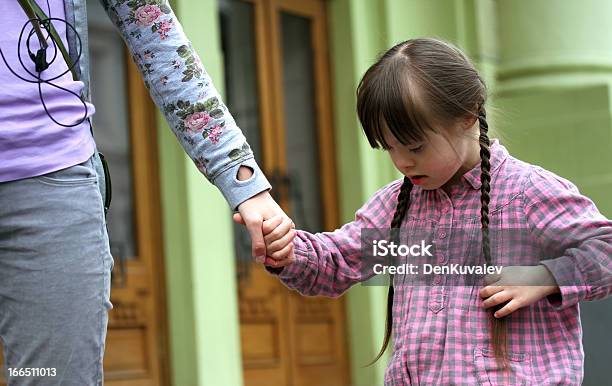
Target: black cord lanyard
{"points": [[38, 19], [36, 14]]}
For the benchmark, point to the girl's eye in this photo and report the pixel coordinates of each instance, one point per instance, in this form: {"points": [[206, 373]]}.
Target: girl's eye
{"points": [[417, 149]]}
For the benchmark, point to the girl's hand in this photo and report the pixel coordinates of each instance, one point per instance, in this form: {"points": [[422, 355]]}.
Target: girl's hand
{"points": [[279, 232], [519, 286]]}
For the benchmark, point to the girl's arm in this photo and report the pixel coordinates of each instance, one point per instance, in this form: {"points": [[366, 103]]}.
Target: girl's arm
{"points": [[183, 91], [329, 263], [576, 237]]}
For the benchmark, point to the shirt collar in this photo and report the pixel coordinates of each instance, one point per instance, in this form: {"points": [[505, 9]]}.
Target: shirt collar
{"points": [[498, 156]]}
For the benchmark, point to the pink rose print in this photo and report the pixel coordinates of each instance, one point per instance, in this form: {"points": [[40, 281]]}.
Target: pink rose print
{"points": [[215, 134], [163, 29], [197, 121], [147, 15]]}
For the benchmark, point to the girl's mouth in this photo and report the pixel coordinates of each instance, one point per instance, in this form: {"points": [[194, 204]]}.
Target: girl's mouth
{"points": [[417, 180]]}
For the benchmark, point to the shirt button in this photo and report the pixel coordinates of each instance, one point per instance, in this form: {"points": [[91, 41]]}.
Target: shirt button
{"points": [[445, 210], [440, 258], [442, 235], [437, 280]]}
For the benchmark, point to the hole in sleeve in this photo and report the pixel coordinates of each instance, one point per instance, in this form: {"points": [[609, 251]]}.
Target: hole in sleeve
{"points": [[244, 173]]}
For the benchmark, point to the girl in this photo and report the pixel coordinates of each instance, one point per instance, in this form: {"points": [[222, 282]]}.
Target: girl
{"points": [[423, 102]]}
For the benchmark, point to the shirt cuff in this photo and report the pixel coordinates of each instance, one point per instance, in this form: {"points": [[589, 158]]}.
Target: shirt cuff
{"points": [[292, 270], [236, 191], [570, 282]]}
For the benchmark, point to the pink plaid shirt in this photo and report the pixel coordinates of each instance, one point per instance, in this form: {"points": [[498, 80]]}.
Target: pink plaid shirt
{"points": [[441, 332]]}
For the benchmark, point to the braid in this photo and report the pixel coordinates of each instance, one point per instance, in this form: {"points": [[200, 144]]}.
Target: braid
{"points": [[485, 179], [499, 325], [403, 202]]}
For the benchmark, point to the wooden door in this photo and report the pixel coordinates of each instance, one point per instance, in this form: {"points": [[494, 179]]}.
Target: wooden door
{"points": [[277, 87]]}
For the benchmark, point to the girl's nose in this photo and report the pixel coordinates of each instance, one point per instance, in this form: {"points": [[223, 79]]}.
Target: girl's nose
{"points": [[407, 162]]}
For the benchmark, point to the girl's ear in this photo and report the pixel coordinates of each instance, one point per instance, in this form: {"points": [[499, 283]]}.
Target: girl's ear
{"points": [[469, 121]]}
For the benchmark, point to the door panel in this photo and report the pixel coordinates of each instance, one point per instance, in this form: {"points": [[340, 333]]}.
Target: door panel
{"points": [[277, 89]]}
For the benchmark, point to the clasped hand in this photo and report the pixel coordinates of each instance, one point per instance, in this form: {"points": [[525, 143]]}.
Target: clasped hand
{"points": [[518, 287], [271, 230]]}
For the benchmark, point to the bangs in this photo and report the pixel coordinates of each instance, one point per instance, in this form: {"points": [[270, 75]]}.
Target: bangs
{"points": [[388, 100]]}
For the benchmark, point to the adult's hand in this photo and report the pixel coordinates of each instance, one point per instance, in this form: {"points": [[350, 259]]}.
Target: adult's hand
{"points": [[252, 213]]}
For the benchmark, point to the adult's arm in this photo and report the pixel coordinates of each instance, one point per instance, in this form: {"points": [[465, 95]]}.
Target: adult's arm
{"points": [[193, 108], [184, 92]]}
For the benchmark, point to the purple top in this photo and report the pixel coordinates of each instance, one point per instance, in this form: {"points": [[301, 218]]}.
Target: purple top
{"points": [[31, 144]]}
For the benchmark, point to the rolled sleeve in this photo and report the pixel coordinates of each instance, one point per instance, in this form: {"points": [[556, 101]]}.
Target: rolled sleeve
{"points": [[574, 237], [570, 281], [293, 274]]}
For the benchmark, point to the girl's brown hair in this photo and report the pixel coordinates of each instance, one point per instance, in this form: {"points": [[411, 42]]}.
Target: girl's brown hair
{"points": [[418, 85]]}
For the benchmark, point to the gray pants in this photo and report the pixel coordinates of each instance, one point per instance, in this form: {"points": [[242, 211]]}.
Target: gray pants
{"points": [[55, 267]]}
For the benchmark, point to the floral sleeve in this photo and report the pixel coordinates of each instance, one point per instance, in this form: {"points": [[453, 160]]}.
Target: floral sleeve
{"points": [[183, 91]]}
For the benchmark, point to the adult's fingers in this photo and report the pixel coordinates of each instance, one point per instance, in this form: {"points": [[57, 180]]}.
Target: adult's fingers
{"points": [[237, 217], [258, 247]]}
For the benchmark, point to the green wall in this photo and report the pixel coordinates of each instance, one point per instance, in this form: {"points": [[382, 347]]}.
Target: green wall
{"points": [[361, 171], [555, 76]]}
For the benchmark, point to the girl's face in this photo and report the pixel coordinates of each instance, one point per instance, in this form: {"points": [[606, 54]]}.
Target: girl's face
{"points": [[440, 160]]}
